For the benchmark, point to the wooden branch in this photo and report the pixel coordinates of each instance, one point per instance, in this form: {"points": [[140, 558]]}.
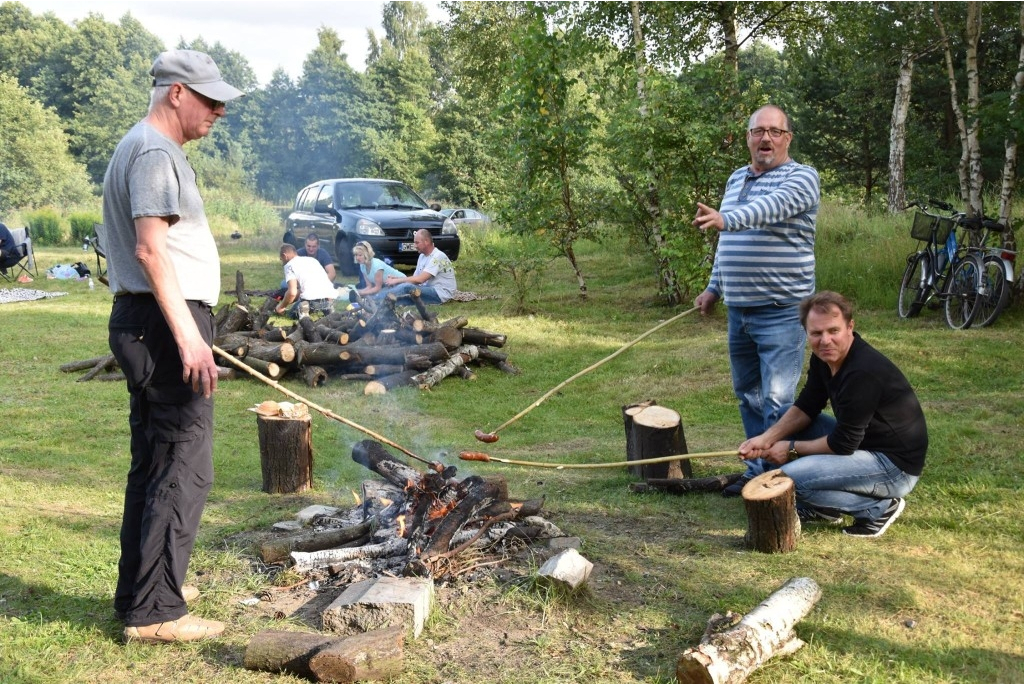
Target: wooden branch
{"points": [[683, 486], [306, 561], [85, 363], [733, 646], [102, 365]]}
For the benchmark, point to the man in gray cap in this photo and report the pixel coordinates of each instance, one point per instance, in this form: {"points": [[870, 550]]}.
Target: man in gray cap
{"points": [[164, 272]]}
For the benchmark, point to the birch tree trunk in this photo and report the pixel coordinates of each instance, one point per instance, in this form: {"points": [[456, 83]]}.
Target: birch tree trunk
{"points": [[958, 114], [1010, 165], [975, 204], [897, 199]]}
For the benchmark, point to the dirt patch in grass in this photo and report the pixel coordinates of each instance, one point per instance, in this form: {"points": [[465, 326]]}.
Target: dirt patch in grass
{"points": [[496, 623]]}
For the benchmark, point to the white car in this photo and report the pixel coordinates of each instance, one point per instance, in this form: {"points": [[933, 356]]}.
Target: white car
{"points": [[467, 218]]}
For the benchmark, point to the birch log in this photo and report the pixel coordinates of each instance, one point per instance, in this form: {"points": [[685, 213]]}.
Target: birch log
{"points": [[733, 647]]}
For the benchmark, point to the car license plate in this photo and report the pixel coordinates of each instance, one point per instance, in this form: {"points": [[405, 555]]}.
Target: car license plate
{"points": [[406, 247]]}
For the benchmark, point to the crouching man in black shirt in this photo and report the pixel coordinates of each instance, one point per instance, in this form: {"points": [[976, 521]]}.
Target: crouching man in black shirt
{"points": [[872, 452]]}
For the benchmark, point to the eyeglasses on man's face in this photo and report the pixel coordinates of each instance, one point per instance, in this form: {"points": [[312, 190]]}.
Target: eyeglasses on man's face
{"points": [[775, 133]]}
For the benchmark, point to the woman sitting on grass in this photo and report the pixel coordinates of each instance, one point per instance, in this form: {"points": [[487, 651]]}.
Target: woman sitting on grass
{"points": [[373, 270]]}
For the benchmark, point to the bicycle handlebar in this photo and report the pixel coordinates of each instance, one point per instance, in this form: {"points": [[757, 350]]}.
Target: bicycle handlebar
{"points": [[940, 204]]}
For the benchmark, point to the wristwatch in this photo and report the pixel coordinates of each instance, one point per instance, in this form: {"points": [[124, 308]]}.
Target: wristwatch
{"points": [[793, 454]]}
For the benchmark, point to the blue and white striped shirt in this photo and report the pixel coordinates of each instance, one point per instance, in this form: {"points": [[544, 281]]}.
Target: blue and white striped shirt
{"points": [[766, 252]]}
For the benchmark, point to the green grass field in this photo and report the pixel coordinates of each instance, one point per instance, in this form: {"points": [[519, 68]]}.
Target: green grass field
{"points": [[939, 598]]}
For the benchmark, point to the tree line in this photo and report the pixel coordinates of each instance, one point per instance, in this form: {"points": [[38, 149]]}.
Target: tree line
{"points": [[562, 120]]}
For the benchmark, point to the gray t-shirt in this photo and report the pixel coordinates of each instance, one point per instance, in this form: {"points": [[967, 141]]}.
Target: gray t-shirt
{"points": [[440, 267], [149, 176]]}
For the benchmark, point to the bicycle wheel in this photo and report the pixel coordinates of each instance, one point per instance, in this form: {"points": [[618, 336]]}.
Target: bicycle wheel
{"points": [[912, 288], [994, 293], [962, 292]]}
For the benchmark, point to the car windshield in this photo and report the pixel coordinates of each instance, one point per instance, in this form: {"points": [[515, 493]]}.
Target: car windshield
{"points": [[369, 195]]}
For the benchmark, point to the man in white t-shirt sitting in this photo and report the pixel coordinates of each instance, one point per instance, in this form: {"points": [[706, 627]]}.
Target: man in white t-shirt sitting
{"points": [[434, 275], [307, 282]]}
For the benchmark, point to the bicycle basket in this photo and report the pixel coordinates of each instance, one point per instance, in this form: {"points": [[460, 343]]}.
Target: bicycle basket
{"points": [[942, 229], [922, 228]]}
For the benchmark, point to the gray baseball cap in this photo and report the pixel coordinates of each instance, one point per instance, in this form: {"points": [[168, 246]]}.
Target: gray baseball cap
{"points": [[196, 70]]}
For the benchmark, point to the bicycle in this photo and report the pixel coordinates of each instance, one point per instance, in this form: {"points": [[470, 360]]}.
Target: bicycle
{"points": [[998, 269], [942, 273]]}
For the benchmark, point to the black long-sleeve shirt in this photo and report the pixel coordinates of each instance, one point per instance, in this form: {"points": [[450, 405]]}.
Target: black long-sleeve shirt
{"points": [[874, 405]]}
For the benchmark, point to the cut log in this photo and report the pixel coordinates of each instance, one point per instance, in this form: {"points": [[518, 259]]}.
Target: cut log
{"points": [[324, 354], [272, 370], [734, 646], [286, 453], [102, 365], [374, 456], [449, 336], [476, 336], [772, 522], [309, 332], [306, 561], [655, 431], [369, 354], [234, 344], [314, 376], [83, 364], [435, 375], [280, 353], [374, 656], [385, 383], [236, 320], [278, 549], [682, 486], [427, 315], [383, 369]]}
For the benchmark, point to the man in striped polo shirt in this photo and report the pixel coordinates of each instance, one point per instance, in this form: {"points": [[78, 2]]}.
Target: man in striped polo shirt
{"points": [[763, 268]]}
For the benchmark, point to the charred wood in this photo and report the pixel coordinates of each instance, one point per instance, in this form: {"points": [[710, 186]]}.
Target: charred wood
{"points": [[278, 549], [314, 376]]}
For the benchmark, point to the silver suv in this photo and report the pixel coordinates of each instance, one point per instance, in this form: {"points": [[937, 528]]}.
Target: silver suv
{"points": [[344, 211]]}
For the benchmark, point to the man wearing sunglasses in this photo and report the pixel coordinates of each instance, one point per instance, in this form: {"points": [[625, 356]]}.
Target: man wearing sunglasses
{"points": [[763, 268], [164, 272]]}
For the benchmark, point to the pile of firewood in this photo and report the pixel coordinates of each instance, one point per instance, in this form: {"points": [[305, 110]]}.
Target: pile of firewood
{"points": [[373, 341]]}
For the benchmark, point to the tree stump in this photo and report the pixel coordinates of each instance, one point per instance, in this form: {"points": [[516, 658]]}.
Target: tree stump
{"points": [[655, 431], [286, 453], [772, 523]]}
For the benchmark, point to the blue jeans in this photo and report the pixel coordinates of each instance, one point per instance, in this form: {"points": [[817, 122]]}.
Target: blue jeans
{"points": [[819, 428], [860, 484], [428, 294], [766, 354]]}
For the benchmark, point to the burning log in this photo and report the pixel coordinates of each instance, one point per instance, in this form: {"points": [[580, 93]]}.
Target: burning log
{"points": [[733, 646], [375, 656], [278, 549], [372, 455], [305, 561], [772, 522]]}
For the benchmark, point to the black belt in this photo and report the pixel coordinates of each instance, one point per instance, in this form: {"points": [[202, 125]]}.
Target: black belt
{"points": [[152, 298]]}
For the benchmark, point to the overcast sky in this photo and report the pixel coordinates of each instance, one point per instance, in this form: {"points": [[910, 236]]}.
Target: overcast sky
{"points": [[268, 34]]}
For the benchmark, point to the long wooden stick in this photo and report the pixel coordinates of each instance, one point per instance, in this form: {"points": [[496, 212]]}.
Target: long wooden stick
{"points": [[326, 412], [493, 435], [483, 456]]}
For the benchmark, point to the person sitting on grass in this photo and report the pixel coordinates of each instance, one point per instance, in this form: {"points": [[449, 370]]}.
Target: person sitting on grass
{"points": [[307, 284], [434, 274], [872, 453], [373, 270], [312, 248]]}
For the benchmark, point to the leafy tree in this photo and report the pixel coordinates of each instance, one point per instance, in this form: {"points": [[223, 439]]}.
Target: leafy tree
{"points": [[35, 166], [399, 74]]}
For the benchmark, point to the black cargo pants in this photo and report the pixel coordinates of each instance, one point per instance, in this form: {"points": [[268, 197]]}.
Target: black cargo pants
{"points": [[171, 471]]}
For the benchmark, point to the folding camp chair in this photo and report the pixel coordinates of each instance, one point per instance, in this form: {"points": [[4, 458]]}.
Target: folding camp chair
{"points": [[96, 240], [26, 263]]}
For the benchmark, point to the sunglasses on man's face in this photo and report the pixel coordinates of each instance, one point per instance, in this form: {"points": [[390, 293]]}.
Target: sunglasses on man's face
{"points": [[210, 102]]}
